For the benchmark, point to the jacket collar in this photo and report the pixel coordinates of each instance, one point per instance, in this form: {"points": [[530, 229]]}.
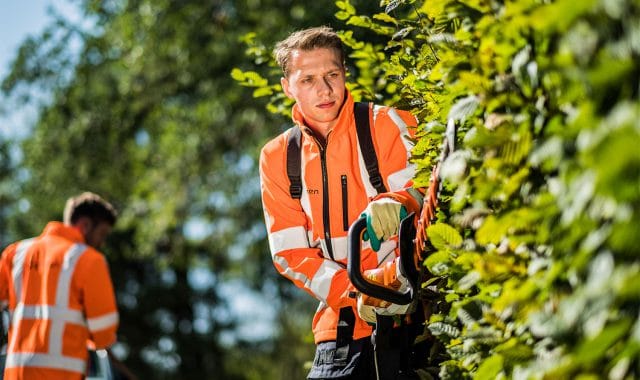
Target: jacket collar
{"points": [[345, 119], [64, 231]]}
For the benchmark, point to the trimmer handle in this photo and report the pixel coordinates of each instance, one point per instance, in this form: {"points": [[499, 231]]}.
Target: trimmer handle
{"points": [[406, 235]]}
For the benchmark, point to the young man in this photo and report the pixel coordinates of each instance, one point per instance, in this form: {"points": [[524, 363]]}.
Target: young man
{"points": [[308, 236], [59, 294]]}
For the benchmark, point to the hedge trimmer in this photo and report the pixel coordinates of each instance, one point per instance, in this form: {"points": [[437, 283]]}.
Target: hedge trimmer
{"points": [[403, 348], [412, 235]]}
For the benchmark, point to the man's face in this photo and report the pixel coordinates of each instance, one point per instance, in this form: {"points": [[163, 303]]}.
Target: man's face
{"points": [[316, 81], [95, 234]]}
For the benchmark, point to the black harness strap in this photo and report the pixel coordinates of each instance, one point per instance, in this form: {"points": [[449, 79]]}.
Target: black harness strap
{"points": [[361, 112], [293, 163]]}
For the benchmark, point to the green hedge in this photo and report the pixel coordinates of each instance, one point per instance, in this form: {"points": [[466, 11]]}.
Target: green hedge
{"points": [[539, 260]]}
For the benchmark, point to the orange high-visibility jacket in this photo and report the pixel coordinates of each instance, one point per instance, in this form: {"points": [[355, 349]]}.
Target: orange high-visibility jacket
{"points": [[60, 298], [308, 236]]}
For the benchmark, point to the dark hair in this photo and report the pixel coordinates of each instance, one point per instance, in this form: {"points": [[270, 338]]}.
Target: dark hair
{"points": [[89, 205], [307, 39]]}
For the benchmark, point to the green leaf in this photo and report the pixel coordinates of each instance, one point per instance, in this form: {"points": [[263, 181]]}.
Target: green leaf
{"points": [[463, 108], [341, 15], [517, 148], [346, 6], [559, 14], [593, 349], [237, 74], [442, 328], [491, 231], [490, 368], [254, 79], [442, 236], [513, 351], [262, 91], [438, 263], [385, 17]]}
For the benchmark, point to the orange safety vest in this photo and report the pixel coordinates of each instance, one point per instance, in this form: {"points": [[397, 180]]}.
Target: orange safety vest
{"points": [[60, 299], [308, 236]]}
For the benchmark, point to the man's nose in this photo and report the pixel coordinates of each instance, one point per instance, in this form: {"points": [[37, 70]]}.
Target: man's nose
{"points": [[325, 86]]}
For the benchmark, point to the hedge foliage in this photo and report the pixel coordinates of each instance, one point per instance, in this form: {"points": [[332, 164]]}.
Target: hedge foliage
{"points": [[539, 262]]}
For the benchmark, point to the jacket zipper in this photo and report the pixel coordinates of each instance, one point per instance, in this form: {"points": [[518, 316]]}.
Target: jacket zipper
{"points": [[326, 218], [345, 203]]}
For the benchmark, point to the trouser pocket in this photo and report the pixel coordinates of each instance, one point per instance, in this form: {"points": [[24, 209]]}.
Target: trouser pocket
{"points": [[330, 363]]}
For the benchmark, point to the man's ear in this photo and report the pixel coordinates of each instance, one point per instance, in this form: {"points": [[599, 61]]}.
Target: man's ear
{"points": [[84, 224], [284, 82]]}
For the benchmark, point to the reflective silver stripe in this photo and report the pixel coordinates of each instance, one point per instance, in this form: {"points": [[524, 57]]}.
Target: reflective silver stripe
{"points": [[62, 295], [313, 243], [289, 238], [319, 285], [290, 273], [400, 179], [48, 312], [15, 360], [305, 202], [323, 248], [402, 127], [321, 281], [340, 245], [103, 322], [17, 266]]}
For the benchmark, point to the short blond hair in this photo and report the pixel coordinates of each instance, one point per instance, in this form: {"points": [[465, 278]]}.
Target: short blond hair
{"points": [[89, 205], [307, 39]]}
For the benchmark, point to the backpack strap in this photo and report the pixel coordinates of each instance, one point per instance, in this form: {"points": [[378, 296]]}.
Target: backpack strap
{"points": [[293, 162], [361, 111], [363, 131]]}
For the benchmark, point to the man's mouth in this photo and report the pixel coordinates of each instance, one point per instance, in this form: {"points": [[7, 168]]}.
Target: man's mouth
{"points": [[326, 104]]}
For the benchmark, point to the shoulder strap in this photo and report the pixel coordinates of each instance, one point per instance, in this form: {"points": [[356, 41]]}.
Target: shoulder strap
{"points": [[293, 162], [361, 111]]}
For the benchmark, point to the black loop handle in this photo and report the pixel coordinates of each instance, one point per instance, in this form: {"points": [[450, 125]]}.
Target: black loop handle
{"points": [[406, 236], [354, 269]]}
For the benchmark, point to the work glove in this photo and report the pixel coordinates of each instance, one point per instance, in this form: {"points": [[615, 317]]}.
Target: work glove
{"points": [[394, 309], [383, 219], [366, 312], [390, 276], [369, 312]]}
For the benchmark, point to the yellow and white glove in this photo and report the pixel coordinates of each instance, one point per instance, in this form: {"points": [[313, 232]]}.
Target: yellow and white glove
{"points": [[388, 275], [366, 312], [383, 219]]}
